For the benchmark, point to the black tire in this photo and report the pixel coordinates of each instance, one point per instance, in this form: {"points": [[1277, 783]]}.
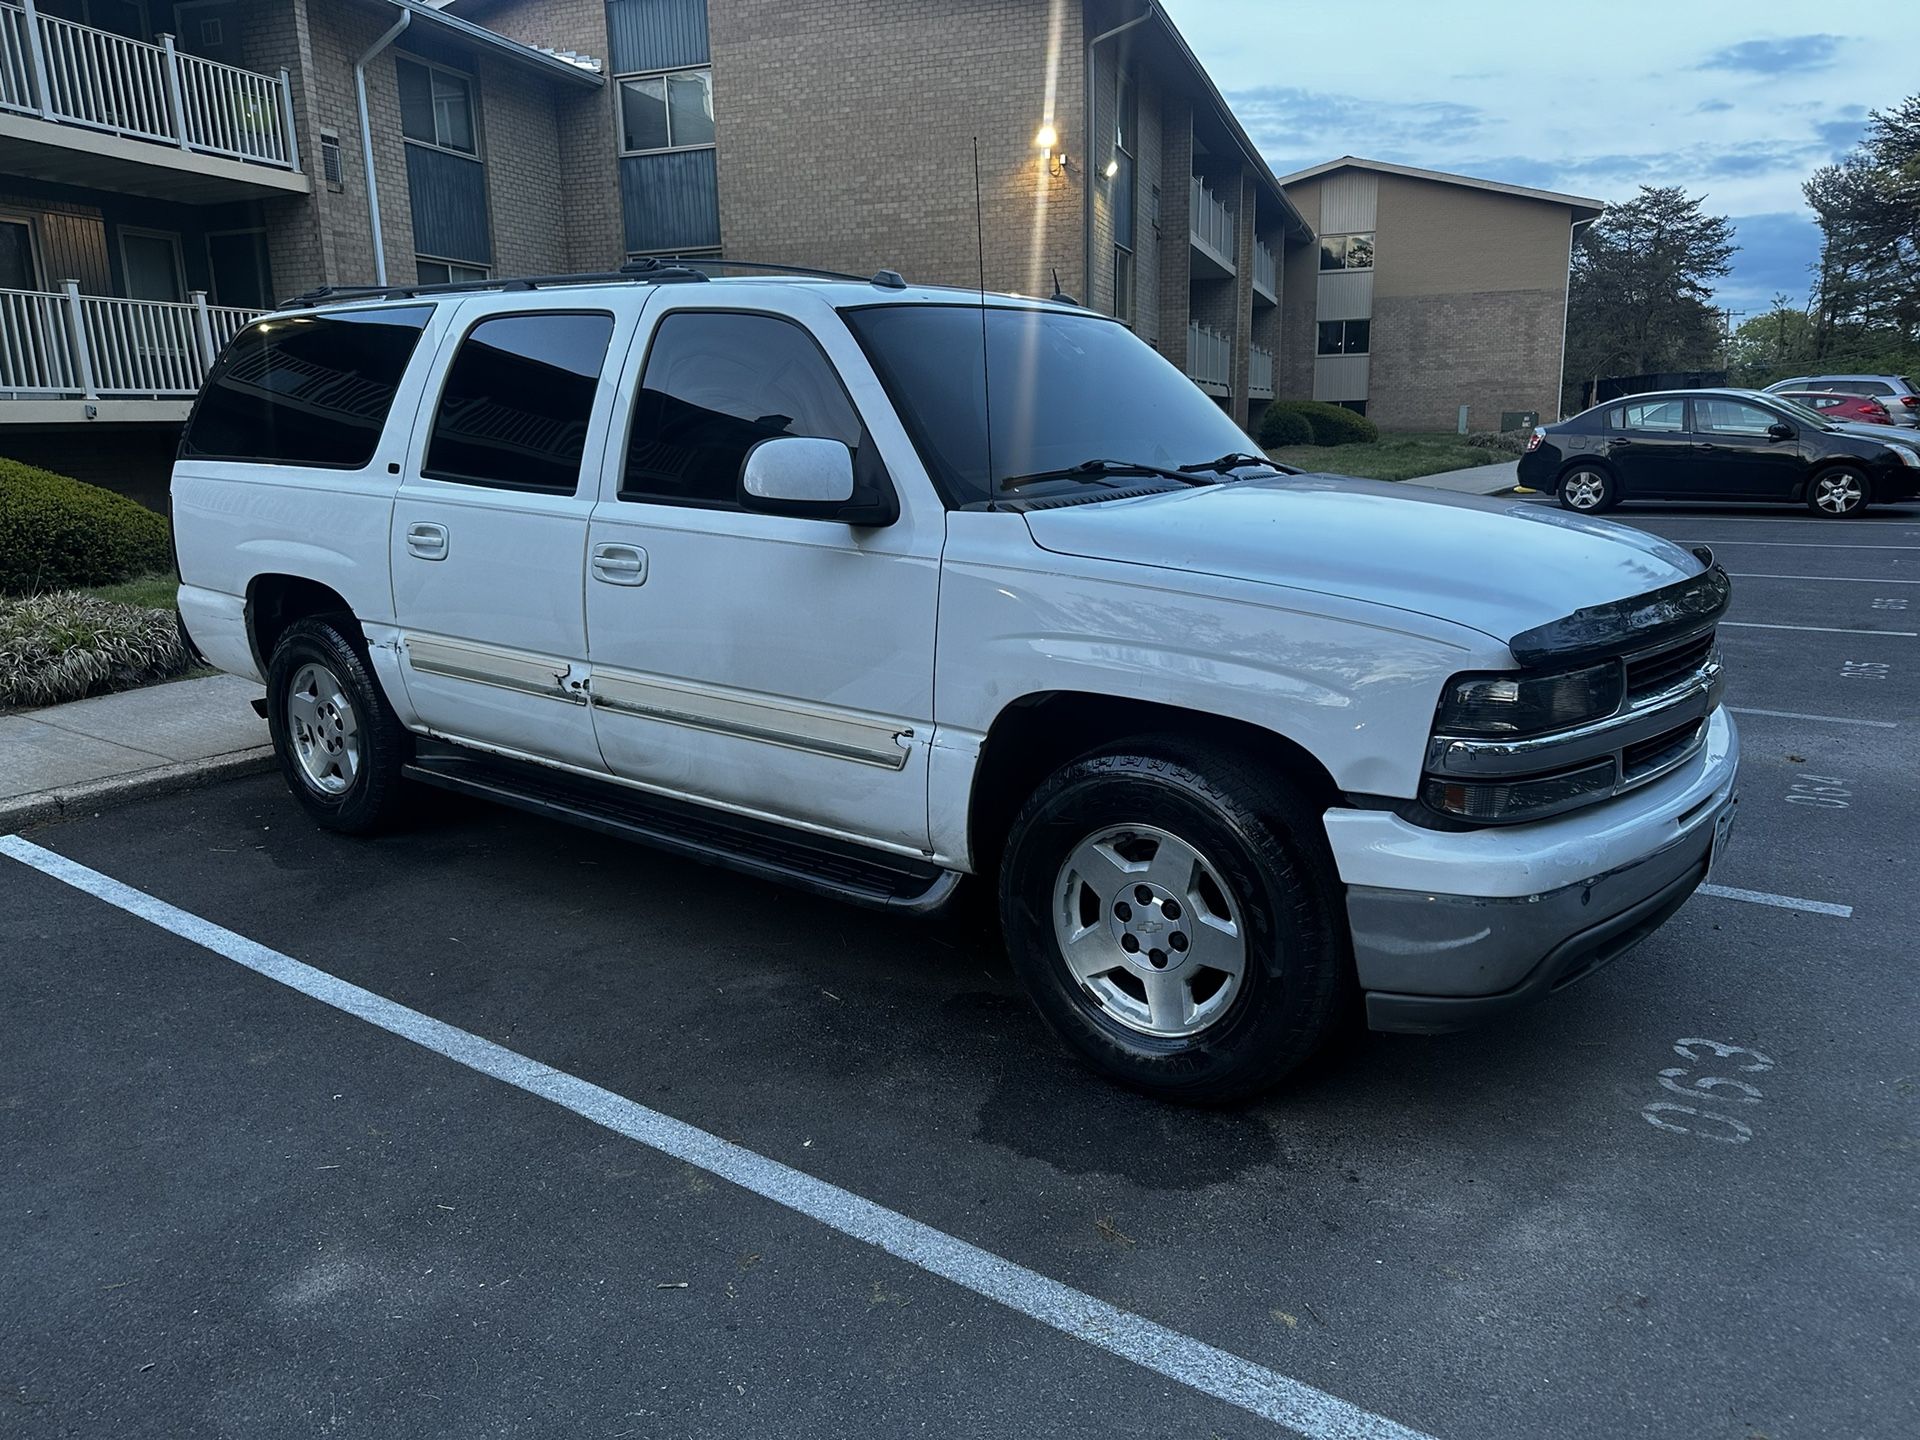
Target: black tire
{"points": [[1845, 487], [1275, 874], [1582, 479], [369, 793]]}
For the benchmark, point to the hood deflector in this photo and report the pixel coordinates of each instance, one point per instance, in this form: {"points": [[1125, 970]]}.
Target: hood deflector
{"points": [[1672, 612]]}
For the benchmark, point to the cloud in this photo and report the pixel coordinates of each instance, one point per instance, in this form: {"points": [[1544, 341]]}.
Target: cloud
{"points": [[1712, 107], [1775, 57], [1297, 127], [1775, 253], [1840, 136]]}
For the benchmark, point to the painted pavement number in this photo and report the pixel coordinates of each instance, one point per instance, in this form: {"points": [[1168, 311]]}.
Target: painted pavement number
{"points": [[1713, 1090], [1864, 669], [1825, 792]]}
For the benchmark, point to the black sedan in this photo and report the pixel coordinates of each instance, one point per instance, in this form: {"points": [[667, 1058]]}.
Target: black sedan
{"points": [[1717, 445]]}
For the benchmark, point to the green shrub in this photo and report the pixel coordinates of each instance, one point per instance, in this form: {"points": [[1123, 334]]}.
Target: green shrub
{"points": [[1506, 442], [63, 646], [1330, 424], [56, 533], [1280, 426]]}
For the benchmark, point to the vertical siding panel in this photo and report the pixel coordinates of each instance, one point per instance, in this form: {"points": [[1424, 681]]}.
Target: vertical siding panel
{"points": [[1349, 202], [671, 201], [656, 34], [449, 203]]}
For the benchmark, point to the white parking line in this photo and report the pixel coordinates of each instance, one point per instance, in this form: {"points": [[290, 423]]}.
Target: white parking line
{"points": [[1831, 579], [1779, 902], [1824, 719], [1795, 544], [1817, 629], [1193, 1363]]}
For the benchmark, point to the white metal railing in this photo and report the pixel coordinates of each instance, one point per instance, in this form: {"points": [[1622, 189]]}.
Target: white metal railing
{"points": [[1266, 270], [76, 75], [65, 344], [1212, 222], [1260, 374], [1209, 356]]}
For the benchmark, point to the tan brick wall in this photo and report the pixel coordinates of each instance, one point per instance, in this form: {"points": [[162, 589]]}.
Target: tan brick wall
{"points": [[520, 125], [845, 133], [587, 176], [1453, 239], [1491, 351]]}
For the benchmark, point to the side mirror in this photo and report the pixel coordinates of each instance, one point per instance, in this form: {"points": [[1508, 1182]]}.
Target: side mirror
{"points": [[1780, 430], [811, 479]]}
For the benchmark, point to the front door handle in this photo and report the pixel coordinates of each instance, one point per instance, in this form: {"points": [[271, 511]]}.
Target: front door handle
{"points": [[620, 564], [427, 541]]}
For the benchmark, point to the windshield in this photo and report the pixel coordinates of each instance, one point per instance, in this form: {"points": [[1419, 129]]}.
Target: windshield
{"points": [[1805, 414], [1065, 388]]}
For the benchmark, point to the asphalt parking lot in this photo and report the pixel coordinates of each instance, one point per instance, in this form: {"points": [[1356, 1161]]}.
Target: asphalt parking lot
{"points": [[1679, 1200]]}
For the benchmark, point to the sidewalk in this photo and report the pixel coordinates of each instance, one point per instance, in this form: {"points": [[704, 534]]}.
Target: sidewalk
{"points": [[1480, 480], [139, 742]]}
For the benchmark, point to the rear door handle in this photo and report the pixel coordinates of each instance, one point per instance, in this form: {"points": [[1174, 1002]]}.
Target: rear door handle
{"points": [[427, 541], [620, 564]]}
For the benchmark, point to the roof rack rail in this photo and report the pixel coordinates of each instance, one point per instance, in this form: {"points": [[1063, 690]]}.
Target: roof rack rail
{"points": [[652, 270]]}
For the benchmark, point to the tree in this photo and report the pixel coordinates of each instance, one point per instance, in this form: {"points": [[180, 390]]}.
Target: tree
{"points": [[1643, 273], [1771, 346], [1867, 284]]}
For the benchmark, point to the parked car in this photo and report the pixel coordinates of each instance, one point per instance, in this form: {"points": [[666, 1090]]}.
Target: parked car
{"points": [[1835, 405], [749, 570], [1718, 445], [1896, 392]]}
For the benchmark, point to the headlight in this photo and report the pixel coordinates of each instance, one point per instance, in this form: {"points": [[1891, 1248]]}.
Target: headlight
{"points": [[1509, 800], [1525, 704], [1907, 457]]}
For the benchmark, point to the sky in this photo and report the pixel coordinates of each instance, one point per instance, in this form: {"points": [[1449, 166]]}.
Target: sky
{"points": [[1736, 101]]}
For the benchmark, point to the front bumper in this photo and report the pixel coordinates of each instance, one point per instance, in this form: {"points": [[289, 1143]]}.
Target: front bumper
{"points": [[1453, 928]]}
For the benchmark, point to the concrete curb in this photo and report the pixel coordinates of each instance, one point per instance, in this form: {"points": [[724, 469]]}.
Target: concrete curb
{"points": [[36, 809]]}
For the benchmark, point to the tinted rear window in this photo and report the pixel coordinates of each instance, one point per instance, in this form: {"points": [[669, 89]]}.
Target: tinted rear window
{"points": [[517, 400], [306, 389]]}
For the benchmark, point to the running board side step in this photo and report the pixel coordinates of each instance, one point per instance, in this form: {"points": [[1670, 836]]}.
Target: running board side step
{"points": [[837, 869]]}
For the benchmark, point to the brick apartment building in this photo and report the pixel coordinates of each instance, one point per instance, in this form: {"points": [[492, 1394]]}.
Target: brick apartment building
{"points": [[1427, 293], [168, 170]]}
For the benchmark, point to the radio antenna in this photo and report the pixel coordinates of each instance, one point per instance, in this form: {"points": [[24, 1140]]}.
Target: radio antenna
{"points": [[986, 369]]}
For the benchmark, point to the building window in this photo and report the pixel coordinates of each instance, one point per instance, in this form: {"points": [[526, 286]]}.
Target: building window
{"points": [[436, 107], [672, 111], [1346, 252], [517, 401], [448, 272], [1123, 195], [1123, 283], [1345, 337], [1358, 407]]}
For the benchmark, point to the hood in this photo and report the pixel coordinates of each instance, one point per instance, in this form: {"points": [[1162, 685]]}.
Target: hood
{"points": [[1501, 566], [1883, 434]]}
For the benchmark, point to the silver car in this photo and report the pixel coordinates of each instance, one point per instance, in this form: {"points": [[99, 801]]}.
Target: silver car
{"points": [[1896, 392]]}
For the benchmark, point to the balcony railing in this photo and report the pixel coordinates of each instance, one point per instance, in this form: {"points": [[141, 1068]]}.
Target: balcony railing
{"points": [[1260, 374], [76, 75], [1212, 223], [1209, 357], [1266, 271], [62, 344]]}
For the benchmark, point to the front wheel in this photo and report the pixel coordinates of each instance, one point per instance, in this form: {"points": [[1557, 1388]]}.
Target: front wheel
{"points": [[1175, 917], [1587, 490], [339, 743], [1838, 494]]}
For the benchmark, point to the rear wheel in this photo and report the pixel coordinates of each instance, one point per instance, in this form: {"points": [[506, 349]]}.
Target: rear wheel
{"points": [[1174, 915], [1838, 493], [340, 745], [1587, 489]]}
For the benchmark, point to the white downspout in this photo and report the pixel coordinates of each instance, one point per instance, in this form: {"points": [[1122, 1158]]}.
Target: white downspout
{"points": [[366, 142]]}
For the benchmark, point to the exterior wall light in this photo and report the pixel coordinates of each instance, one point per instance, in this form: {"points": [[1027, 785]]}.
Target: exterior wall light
{"points": [[1113, 168], [1045, 138]]}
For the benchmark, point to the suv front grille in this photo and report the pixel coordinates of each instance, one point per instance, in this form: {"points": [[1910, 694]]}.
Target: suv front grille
{"points": [[1660, 724], [1662, 669]]}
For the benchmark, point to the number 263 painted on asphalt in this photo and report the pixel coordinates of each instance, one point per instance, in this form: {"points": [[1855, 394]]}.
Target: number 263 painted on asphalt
{"points": [[1718, 1090]]}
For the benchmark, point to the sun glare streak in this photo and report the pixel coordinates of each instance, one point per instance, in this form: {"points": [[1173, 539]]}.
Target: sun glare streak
{"points": [[1036, 244]]}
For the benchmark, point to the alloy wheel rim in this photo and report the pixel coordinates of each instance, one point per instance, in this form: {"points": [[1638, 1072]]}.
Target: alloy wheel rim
{"points": [[1837, 494], [324, 729], [1584, 489], [1149, 931]]}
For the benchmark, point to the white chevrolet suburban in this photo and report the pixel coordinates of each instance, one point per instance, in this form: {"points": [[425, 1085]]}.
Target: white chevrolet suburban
{"points": [[867, 587]]}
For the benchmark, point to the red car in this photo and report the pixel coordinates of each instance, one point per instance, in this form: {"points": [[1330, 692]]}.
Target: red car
{"points": [[1861, 409]]}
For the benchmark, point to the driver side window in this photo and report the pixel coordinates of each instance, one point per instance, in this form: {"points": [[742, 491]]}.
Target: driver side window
{"points": [[1715, 416], [716, 384]]}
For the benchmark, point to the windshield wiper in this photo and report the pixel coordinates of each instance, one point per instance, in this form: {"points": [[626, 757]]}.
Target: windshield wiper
{"points": [[1231, 461], [1093, 469]]}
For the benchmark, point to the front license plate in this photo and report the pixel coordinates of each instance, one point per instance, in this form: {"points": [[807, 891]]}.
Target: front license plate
{"points": [[1722, 835]]}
